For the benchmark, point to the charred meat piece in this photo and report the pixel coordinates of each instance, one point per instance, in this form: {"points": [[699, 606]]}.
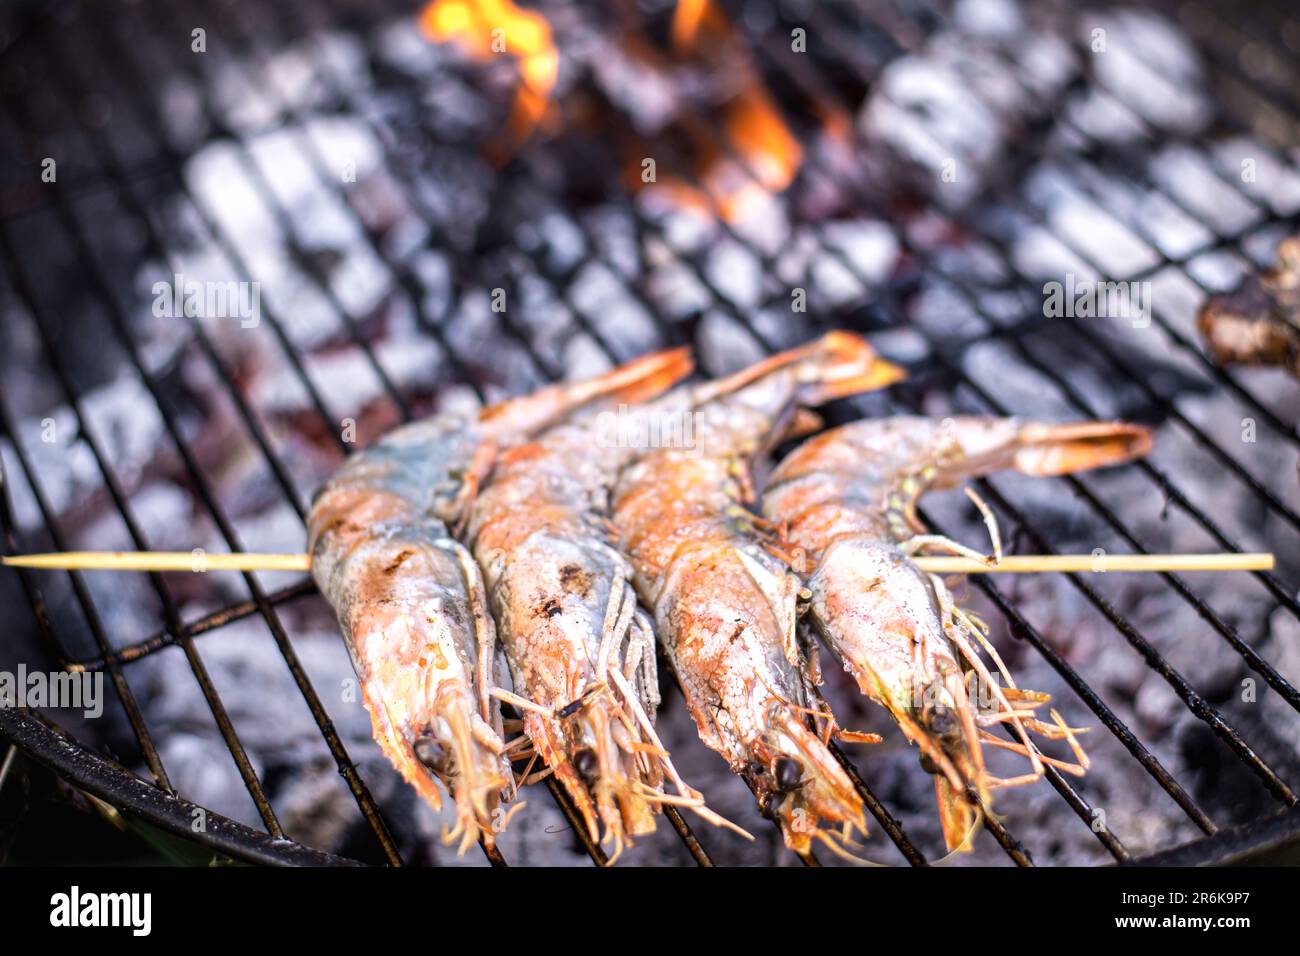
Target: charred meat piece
{"points": [[1259, 322]]}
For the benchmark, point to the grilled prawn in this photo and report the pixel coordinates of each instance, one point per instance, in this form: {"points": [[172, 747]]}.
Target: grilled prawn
{"points": [[724, 607], [581, 653], [846, 502], [410, 599]]}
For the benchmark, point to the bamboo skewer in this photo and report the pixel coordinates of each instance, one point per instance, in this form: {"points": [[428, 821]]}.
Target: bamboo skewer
{"points": [[160, 561], [201, 561]]}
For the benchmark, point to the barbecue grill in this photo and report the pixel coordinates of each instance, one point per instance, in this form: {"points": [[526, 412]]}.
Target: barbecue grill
{"points": [[332, 154]]}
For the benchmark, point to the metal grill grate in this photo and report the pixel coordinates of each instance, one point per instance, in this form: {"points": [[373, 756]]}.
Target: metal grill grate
{"points": [[84, 59]]}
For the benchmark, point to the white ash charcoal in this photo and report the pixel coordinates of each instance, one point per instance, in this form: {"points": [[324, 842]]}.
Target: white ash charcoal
{"points": [[165, 514], [926, 116], [273, 527], [397, 46], [239, 104], [308, 318], [832, 261], [1157, 706], [267, 710], [863, 252], [1261, 172], [123, 418], [453, 197], [1099, 236], [987, 362], [735, 272], [361, 281], [903, 345], [611, 309], [1012, 306], [459, 400], [973, 260], [161, 335], [1175, 233], [1190, 177], [557, 238], [781, 328], [952, 112], [1038, 253], [406, 235], [765, 225], [1284, 644], [314, 208], [203, 770], [724, 345], [684, 231], [945, 313], [1175, 298], [613, 232], [584, 358], [1220, 270], [218, 181], [315, 811], [1162, 222], [1101, 119], [1046, 65], [181, 112], [346, 380], [433, 272], [478, 337], [1149, 65], [794, 262], [675, 289], [645, 95], [541, 316], [291, 74], [455, 110], [344, 55], [989, 18]]}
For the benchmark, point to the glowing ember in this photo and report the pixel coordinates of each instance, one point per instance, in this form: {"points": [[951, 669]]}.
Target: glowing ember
{"points": [[762, 156], [488, 27], [765, 146], [757, 155], [688, 17]]}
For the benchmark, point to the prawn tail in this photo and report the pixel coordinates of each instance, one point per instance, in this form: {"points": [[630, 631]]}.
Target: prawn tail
{"points": [[833, 366], [840, 364], [1060, 449], [635, 381]]}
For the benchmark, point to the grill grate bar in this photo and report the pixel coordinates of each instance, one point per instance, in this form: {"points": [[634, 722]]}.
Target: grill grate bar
{"points": [[209, 692], [211, 621], [549, 370], [1162, 481], [1196, 704], [807, 76], [1149, 762], [1004, 192], [346, 767], [34, 597]]}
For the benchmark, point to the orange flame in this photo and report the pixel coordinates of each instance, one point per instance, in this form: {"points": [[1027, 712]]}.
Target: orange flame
{"points": [[771, 155], [758, 156], [487, 27], [764, 154], [689, 17]]}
